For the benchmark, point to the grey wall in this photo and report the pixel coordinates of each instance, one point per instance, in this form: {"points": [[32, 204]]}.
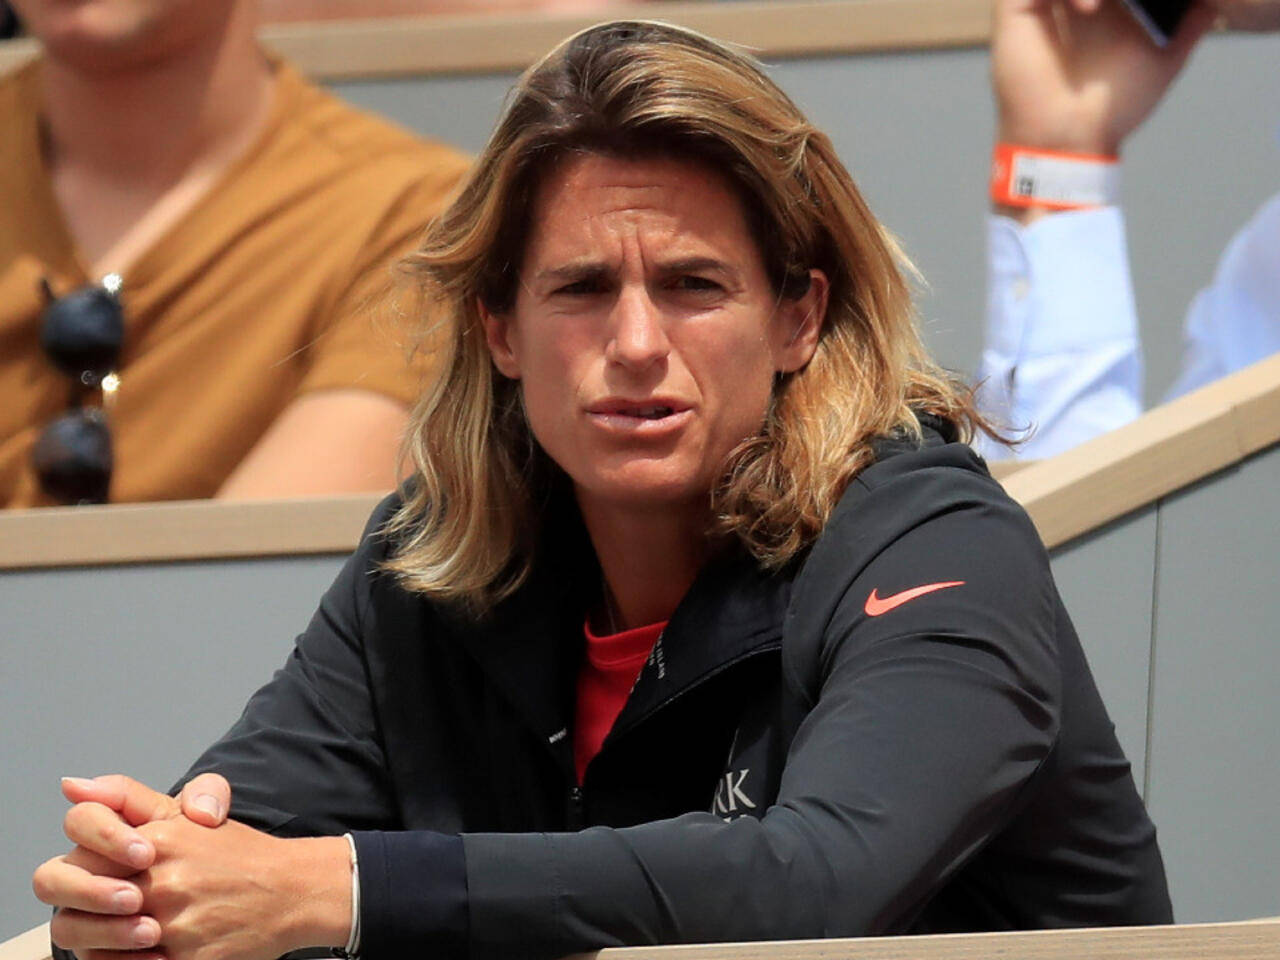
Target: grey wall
{"points": [[127, 669], [1178, 609], [915, 129], [1214, 749], [1106, 580]]}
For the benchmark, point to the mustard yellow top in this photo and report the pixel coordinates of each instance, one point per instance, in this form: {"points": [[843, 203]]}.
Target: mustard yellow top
{"points": [[264, 290]]}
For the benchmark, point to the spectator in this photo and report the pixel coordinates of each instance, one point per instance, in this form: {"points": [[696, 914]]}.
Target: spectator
{"points": [[1062, 352], [278, 11], [252, 218]]}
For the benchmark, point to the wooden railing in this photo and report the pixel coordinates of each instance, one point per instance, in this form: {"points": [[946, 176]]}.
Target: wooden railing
{"points": [[422, 46], [1170, 447], [1249, 940], [1254, 940], [181, 530], [32, 945], [1068, 495]]}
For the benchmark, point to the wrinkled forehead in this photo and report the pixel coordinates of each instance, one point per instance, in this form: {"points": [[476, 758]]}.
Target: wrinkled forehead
{"points": [[596, 201]]}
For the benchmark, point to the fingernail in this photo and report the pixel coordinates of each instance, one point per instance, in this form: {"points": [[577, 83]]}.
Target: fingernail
{"points": [[127, 901], [138, 854], [78, 781], [209, 804], [145, 933]]}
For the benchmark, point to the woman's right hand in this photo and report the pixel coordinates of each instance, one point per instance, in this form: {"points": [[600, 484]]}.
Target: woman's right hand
{"points": [[92, 880]]}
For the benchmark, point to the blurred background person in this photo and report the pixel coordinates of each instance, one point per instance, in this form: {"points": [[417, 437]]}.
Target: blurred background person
{"points": [[244, 222], [1062, 353], [277, 11]]}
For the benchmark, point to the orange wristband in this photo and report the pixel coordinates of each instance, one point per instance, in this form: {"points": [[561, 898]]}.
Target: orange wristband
{"points": [[1053, 179]]}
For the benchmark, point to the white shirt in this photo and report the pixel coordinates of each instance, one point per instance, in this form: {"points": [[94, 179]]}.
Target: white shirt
{"points": [[1062, 353]]}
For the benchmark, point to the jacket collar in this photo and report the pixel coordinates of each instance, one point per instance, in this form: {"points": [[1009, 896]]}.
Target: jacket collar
{"points": [[531, 646], [533, 643], [732, 611]]}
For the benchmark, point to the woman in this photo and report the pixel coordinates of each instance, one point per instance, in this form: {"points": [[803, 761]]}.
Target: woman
{"points": [[692, 559]]}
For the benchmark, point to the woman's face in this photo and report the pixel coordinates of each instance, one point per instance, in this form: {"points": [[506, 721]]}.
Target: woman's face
{"points": [[645, 332]]}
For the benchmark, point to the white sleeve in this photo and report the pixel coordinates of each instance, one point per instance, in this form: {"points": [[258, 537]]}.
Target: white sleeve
{"points": [[1235, 321], [1062, 357]]}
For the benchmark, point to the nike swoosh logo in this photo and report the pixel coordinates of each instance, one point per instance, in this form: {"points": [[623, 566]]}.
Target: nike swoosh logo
{"points": [[877, 605]]}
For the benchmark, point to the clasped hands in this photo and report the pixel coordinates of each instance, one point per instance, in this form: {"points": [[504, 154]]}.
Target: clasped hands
{"points": [[152, 876]]}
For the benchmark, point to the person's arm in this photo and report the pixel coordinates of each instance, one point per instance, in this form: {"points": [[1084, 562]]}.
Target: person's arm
{"points": [[366, 367], [325, 443], [1235, 321], [1062, 355], [1061, 358]]}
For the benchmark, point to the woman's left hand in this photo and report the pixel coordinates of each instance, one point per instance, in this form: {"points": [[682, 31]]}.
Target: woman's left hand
{"points": [[236, 893]]}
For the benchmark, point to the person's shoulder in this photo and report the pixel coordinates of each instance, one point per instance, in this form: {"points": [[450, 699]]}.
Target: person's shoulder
{"points": [[382, 535], [919, 482], [926, 543], [924, 515], [1257, 242], [380, 542], [359, 139], [395, 611], [942, 501]]}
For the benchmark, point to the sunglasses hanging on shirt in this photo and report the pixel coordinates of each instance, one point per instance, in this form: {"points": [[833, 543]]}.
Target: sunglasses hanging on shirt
{"points": [[81, 333]]}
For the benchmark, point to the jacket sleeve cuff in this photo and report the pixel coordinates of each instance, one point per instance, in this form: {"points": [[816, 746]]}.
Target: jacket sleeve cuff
{"points": [[413, 894]]}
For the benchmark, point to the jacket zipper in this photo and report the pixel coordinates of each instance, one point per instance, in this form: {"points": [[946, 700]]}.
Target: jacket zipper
{"points": [[575, 806], [576, 815], [677, 695]]}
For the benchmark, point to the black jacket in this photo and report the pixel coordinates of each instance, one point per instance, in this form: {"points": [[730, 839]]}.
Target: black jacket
{"points": [[806, 754]]}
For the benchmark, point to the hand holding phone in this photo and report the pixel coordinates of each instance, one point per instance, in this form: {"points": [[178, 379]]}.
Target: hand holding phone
{"points": [[1081, 75]]}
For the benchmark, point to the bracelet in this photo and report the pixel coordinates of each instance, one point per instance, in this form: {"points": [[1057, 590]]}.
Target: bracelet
{"points": [[1053, 179], [352, 948]]}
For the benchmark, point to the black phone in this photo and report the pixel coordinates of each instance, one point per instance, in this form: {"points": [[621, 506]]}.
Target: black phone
{"points": [[1160, 18], [8, 21]]}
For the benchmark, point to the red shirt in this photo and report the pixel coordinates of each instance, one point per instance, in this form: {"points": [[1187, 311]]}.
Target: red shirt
{"points": [[612, 665]]}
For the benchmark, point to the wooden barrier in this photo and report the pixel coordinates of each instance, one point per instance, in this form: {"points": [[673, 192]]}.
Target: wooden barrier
{"points": [[430, 45], [181, 530], [32, 945], [1168, 448], [1210, 941], [1068, 495], [1248, 940]]}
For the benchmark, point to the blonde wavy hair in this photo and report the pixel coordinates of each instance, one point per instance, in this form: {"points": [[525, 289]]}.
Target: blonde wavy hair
{"points": [[468, 528]]}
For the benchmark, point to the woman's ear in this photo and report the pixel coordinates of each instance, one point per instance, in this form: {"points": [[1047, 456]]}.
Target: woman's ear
{"points": [[800, 324], [496, 330]]}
